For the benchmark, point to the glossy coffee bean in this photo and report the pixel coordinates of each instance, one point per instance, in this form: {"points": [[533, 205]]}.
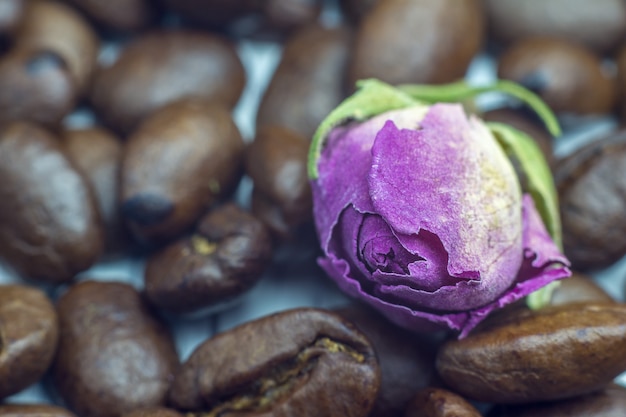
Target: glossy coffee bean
{"points": [[175, 165], [49, 224], [578, 288], [407, 361], [223, 258], [54, 27], [28, 337], [309, 81], [114, 356], [35, 86], [438, 402], [33, 410], [609, 402], [567, 76], [530, 356], [417, 41], [153, 412], [276, 161], [121, 15], [599, 26], [592, 197], [97, 153], [302, 362], [161, 67]]}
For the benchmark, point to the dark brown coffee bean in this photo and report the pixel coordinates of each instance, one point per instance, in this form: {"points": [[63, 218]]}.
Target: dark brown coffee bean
{"points": [[437, 402], [599, 26], [417, 41], [35, 86], [525, 124], [610, 402], [33, 410], [592, 195], [123, 15], [222, 259], [114, 356], [277, 164], [176, 164], [29, 333], [407, 361], [578, 288], [97, 153], [567, 76], [302, 362], [548, 354], [159, 68], [49, 224], [153, 412], [308, 82]]}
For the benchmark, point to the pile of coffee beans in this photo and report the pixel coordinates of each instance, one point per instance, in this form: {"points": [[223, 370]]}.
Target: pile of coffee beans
{"points": [[120, 141]]}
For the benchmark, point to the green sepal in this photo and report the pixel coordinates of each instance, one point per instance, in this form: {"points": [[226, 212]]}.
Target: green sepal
{"points": [[372, 98], [537, 181], [459, 91]]}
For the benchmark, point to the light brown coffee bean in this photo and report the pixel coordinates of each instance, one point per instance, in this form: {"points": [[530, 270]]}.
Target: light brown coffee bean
{"points": [[162, 67], [417, 41], [276, 162], [438, 402], [529, 356], [29, 334], [175, 165], [97, 153], [600, 26], [309, 81], [50, 229], [609, 402], [114, 355], [567, 76]]}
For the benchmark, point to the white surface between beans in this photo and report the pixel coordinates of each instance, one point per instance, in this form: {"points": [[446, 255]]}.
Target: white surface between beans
{"points": [[299, 282]]}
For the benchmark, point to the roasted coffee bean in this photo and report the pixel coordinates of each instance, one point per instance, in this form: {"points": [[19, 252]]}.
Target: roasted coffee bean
{"points": [[610, 402], [121, 15], [28, 337], [302, 362], [520, 121], [277, 163], [593, 196], [578, 288], [97, 153], [114, 356], [438, 402], [161, 67], [308, 82], [176, 164], [53, 27], [529, 356], [34, 410], [407, 361], [600, 26], [567, 76], [49, 224], [153, 412], [35, 86], [221, 260], [417, 41]]}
